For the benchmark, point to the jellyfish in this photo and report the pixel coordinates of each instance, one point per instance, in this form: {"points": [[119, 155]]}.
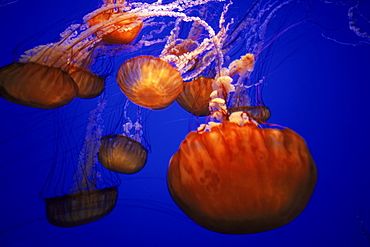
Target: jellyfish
{"points": [[149, 82], [124, 153], [90, 85], [237, 174], [36, 85], [81, 207], [196, 95], [156, 82], [152, 82], [50, 76], [260, 112], [88, 193], [242, 179], [115, 22], [128, 29]]}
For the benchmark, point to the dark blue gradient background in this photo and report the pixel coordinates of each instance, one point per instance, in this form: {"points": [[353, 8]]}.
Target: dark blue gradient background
{"points": [[317, 86]]}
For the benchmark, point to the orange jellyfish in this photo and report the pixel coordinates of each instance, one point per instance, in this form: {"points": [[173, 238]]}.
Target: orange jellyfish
{"points": [[80, 208], [195, 96], [115, 22], [124, 31], [36, 85], [260, 112], [78, 190], [89, 85], [50, 76], [242, 179], [236, 175], [44, 77], [125, 153], [122, 154], [149, 82]]}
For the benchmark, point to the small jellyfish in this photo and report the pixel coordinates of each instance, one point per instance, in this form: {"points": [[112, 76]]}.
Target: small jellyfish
{"points": [[260, 112], [122, 154], [125, 153], [80, 208]]}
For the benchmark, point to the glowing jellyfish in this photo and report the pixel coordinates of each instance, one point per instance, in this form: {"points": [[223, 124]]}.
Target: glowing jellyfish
{"points": [[149, 82], [83, 192], [242, 179]]}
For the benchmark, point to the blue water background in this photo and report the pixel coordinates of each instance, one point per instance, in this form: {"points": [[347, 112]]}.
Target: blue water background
{"points": [[317, 86]]}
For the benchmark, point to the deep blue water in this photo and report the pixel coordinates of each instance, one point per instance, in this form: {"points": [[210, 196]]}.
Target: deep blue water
{"points": [[317, 83]]}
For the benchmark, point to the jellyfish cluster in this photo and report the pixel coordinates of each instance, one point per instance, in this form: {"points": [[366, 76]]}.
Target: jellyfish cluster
{"points": [[234, 174]]}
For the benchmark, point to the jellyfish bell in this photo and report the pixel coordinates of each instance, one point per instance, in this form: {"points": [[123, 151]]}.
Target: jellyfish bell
{"points": [[260, 112], [36, 85], [242, 179], [195, 96], [89, 84], [149, 82], [126, 30], [122, 154], [80, 208]]}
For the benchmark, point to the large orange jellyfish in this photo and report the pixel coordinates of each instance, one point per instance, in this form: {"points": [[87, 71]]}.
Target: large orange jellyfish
{"points": [[238, 175], [242, 179]]}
